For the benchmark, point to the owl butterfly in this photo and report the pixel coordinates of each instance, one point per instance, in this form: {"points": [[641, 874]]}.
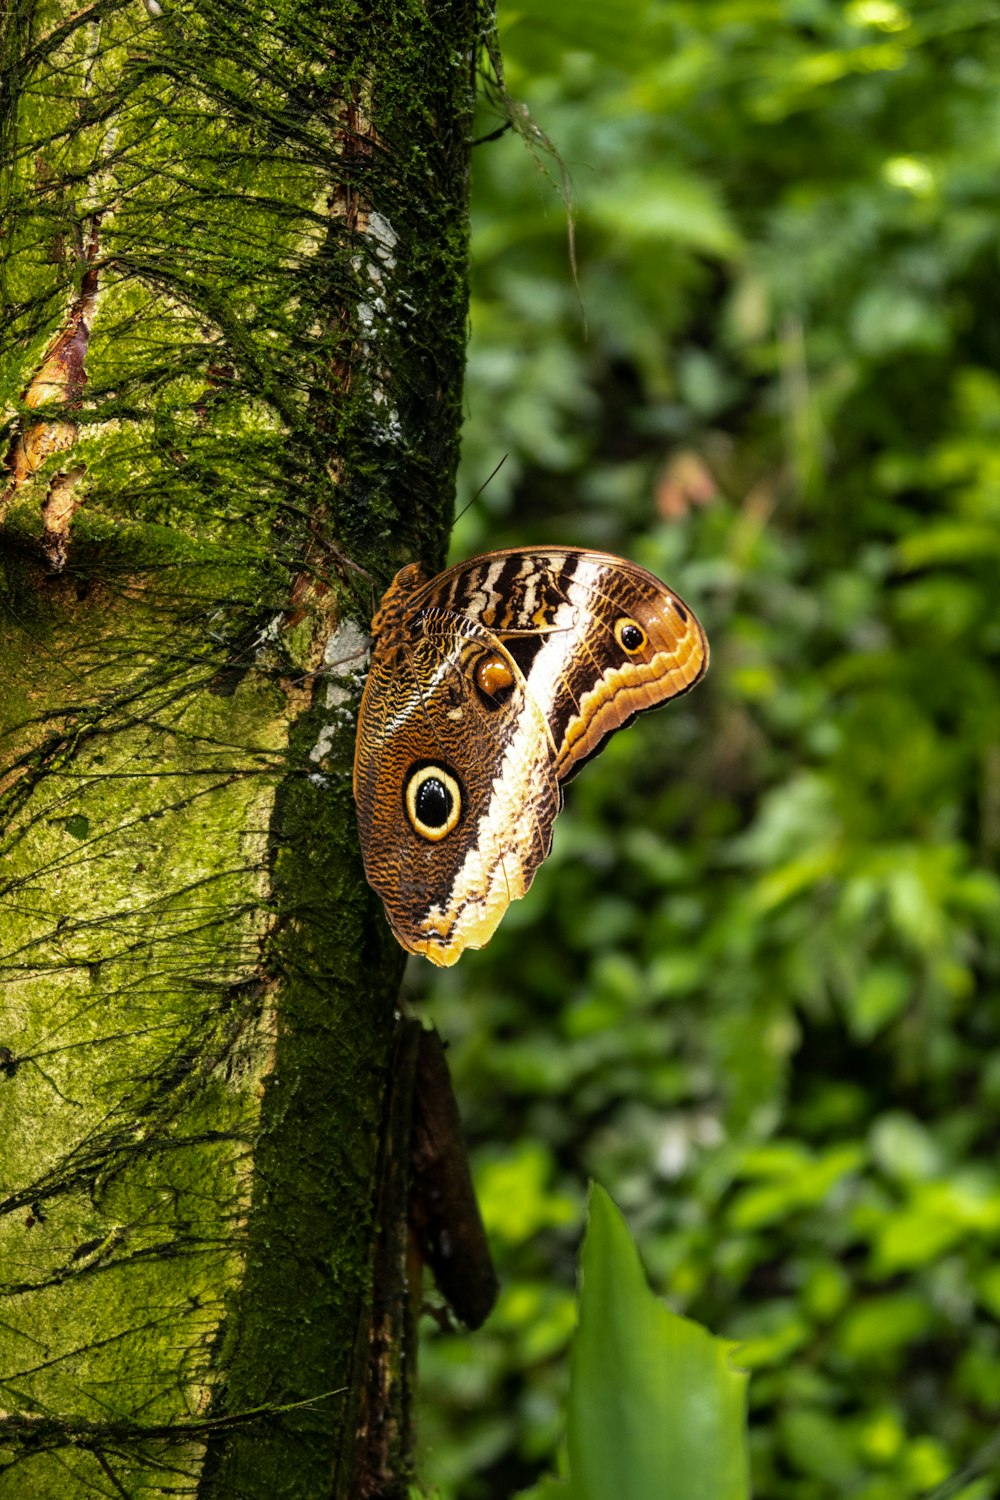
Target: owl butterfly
{"points": [[491, 685]]}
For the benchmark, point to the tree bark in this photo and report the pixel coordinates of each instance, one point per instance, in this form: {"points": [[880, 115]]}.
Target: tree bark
{"points": [[234, 297]]}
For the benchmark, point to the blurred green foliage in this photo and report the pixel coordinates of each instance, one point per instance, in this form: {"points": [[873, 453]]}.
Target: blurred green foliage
{"points": [[754, 991]]}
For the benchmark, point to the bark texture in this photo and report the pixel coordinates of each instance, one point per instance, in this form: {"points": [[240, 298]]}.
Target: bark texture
{"points": [[234, 307]]}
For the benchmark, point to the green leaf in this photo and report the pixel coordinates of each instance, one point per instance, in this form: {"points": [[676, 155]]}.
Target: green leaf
{"points": [[664, 205], [949, 542], [614, 33], [656, 1408], [550, 1489], [816, 1445], [515, 1197], [882, 1324]]}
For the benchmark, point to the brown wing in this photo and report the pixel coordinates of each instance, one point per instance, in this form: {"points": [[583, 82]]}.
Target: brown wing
{"points": [[598, 639], [493, 682], [446, 713]]}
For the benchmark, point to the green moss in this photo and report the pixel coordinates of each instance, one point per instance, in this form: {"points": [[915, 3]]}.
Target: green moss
{"points": [[198, 985], [134, 1014]]}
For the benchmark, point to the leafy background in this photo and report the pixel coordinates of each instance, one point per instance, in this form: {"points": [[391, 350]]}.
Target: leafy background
{"points": [[754, 990]]}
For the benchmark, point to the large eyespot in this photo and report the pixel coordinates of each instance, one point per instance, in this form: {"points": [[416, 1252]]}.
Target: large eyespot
{"points": [[433, 801], [630, 635], [493, 678]]}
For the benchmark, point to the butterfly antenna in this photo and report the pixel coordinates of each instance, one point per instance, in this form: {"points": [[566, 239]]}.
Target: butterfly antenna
{"points": [[485, 482]]}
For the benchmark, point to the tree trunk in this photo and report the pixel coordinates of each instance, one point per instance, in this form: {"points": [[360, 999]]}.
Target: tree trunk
{"points": [[234, 294]]}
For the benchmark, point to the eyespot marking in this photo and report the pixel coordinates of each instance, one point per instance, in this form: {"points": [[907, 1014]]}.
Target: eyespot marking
{"points": [[630, 635], [433, 801], [493, 678]]}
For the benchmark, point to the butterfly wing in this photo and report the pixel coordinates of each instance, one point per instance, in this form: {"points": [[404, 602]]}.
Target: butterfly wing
{"points": [[598, 639], [455, 787], [490, 684]]}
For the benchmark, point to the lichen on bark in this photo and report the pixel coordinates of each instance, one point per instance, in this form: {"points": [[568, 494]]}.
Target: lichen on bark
{"points": [[234, 297]]}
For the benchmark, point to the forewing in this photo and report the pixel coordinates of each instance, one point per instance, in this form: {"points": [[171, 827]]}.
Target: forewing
{"points": [[563, 614]]}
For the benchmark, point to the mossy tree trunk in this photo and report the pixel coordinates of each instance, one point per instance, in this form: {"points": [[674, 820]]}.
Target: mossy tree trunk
{"points": [[234, 307]]}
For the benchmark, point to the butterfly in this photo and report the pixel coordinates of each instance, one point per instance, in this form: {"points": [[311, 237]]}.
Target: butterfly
{"points": [[490, 685]]}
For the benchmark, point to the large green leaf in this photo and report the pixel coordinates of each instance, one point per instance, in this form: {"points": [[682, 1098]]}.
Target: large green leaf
{"points": [[656, 1409]]}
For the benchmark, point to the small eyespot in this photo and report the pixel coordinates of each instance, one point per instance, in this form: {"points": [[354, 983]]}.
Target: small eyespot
{"points": [[433, 801], [630, 636], [493, 678]]}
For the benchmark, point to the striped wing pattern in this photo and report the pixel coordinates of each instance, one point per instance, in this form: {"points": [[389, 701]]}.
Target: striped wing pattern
{"points": [[557, 628]]}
